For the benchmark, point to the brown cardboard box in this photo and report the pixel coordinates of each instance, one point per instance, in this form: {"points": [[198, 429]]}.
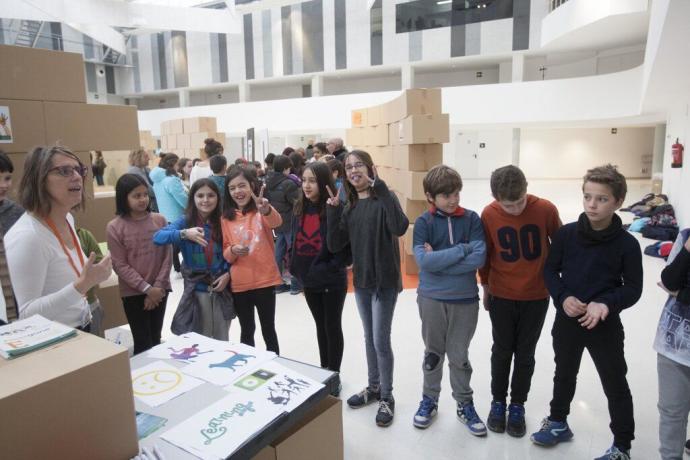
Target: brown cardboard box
{"points": [[199, 125], [184, 141], [113, 311], [176, 126], [420, 129], [73, 399], [18, 159], [375, 115], [164, 142], [408, 243], [412, 102], [98, 213], [355, 136], [92, 127], [389, 176], [412, 208], [408, 263], [359, 118], [165, 128], [409, 184], [382, 156], [172, 141], [197, 139], [118, 164], [416, 157], [41, 75], [27, 124], [220, 137], [318, 436], [375, 135]]}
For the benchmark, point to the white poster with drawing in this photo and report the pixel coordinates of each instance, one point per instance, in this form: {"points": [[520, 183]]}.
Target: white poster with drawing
{"points": [[283, 388], [159, 382], [220, 429], [5, 125], [186, 348], [224, 366]]}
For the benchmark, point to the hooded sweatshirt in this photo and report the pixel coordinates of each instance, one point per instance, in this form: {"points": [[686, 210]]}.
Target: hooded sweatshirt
{"points": [[283, 193], [170, 194]]}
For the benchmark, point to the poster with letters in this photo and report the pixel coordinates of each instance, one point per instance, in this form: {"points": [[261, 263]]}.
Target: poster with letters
{"points": [[224, 366]]}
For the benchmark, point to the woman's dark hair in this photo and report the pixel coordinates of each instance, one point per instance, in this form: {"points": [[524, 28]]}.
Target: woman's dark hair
{"points": [[124, 186], [297, 164], [195, 161], [364, 157], [212, 147], [321, 147], [229, 205], [269, 159], [169, 163], [336, 165], [281, 163], [287, 151], [323, 179], [181, 163], [192, 213]]}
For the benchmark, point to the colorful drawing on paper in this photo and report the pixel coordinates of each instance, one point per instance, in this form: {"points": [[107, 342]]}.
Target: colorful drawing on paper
{"points": [[224, 366], [5, 125], [254, 380], [187, 353], [159, 382], [186, 348]]}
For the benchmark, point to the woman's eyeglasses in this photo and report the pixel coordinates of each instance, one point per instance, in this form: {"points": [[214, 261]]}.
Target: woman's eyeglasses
{"points": [[68, 171]]}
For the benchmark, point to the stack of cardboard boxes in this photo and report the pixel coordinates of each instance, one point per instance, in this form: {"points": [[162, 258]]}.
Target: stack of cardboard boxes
{"points": [[185, 136], [405, 139], [147, 141]]}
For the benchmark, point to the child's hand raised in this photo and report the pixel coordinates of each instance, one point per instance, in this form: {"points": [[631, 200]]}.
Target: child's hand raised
{"points": [[333, 200], [596, 312], [373, 179], [262, 203], [573, 307]]}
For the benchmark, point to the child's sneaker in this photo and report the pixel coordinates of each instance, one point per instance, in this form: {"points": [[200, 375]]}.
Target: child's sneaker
{"points": [[468, 416], [516, 420], [384, 416], [364, 397], [614, 453], [551, 433], [496, 421], [426, 412]]}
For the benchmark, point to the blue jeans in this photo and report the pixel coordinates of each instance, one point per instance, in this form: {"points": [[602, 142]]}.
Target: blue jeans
{"points": [[376, 308], [283, 244]]}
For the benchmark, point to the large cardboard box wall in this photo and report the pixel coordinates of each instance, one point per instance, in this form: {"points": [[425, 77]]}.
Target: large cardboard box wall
{"points": [[318, 436], [359, 118], [118, 164], [71, 400], [420, 129], [380, 155], [416, 157], [412, 208], [408, 263], [199, 125], [86, 127], [98, 213], [147, 141], [412, 102], [409, 184], [28, 125], [408, 239], [109, 295], [41, 75]]}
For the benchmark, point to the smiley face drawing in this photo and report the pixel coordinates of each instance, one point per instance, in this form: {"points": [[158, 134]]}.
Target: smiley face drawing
{"points": [[156, 382]]}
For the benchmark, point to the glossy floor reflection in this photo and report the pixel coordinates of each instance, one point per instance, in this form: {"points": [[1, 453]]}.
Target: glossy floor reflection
{"points": [[447, 438]]}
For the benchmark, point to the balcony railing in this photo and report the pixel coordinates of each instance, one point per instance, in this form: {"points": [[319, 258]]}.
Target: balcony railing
{"points": [[553, 4]]}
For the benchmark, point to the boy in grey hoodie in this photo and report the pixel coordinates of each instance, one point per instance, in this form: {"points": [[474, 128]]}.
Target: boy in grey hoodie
{"points": [[449, 247]]}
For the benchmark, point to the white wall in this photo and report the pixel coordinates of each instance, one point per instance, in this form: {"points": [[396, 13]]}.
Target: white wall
{"points": [[677, 180], [267, 93], [334, 86], [568, 153], [476, 153], [456, 77]]}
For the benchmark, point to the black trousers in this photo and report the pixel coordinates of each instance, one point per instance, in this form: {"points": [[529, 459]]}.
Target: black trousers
{"points": [[146, 325], [515, 326], [327, 309], [264, 299], [605, 345]]}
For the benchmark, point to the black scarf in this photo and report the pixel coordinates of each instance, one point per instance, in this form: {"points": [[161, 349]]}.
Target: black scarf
{"points": [[590, 237]]}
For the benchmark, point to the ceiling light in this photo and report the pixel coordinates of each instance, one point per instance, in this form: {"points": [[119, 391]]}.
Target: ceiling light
{"points": [[444, 2]]}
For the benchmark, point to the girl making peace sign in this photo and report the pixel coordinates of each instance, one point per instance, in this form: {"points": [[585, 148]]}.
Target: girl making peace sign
{"points": [[248, 246]]}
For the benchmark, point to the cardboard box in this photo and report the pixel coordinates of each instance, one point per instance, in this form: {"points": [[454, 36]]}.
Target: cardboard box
{"points": [[184, 141], [220, 137], [412, 102], [412, 208], [416, 157], [375, 135], [359, 118], [96, 216], [420, 129], [408, 241], [382, 156], [318, 436], [389, 176], [409, 184], [199, 125], [197, 139], [375, 115], [118, 164], [172, 141], [41, 75], [27, 125], [84, 127], [164, 142], [165, 128], [113, 311], [408, 263], [73, 399], [355, 136], [176, 126]]}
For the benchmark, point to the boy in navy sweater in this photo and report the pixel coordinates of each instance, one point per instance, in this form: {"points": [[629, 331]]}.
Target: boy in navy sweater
{"points": [[449, 247], [593, 272]]}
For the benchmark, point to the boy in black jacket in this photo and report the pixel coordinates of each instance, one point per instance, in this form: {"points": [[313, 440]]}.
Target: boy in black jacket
{"points": [[593, 272]]}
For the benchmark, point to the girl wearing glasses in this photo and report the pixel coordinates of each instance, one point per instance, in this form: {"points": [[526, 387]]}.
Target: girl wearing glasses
{"points": [[371, 223], [143, 269], [49, 271]]}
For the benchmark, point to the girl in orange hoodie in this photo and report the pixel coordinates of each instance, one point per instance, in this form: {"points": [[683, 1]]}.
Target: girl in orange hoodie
{"points": [[247, 225]]}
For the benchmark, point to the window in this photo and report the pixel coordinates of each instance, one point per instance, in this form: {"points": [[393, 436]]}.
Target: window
{"points": [[432, 14]]}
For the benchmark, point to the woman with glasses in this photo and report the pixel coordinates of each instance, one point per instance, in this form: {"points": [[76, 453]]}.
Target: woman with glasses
{"points": [[50, 272]]}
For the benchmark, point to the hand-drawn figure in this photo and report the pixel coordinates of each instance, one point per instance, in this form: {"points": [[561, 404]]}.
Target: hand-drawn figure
{"points": [[298, 384], [187, 354], [233, 362], [277, 399]]}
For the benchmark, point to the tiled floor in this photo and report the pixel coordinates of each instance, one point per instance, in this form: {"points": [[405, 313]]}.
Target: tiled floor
{"points": [[447, 438]]}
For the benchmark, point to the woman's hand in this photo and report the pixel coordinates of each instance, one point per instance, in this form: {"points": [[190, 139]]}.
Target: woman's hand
{"points": [[196, 235], [94, 273], [221, 283]]}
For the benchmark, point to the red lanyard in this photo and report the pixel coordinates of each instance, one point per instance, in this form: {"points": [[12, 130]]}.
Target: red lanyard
{"points": [[54, 229]]}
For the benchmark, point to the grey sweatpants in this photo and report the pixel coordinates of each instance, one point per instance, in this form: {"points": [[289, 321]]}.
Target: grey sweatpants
{"points": [[674, 406], [447, 329], [212, 322]]}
